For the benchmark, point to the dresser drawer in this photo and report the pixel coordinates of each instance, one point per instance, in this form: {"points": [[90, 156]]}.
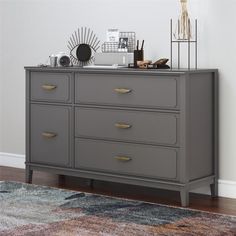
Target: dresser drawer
{"points": [[129, 159], [49, 135], [126, 125], [127, 90], [52, 87]]}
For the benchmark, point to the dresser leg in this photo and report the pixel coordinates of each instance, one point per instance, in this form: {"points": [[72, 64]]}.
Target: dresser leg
{"points": [[28, 175], [61, 179], [184, 196], [91, 182], [214, 189]]}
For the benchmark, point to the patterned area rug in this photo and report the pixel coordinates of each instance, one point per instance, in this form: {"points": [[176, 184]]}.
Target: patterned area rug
{"points": [[35, 210]]}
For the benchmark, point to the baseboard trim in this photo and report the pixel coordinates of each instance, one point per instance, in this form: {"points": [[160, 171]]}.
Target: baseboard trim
{"points": [[12, 160], [227, 188]]}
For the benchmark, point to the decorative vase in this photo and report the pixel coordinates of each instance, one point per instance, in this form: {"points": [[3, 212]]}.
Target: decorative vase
{"points": [[183, 29]]}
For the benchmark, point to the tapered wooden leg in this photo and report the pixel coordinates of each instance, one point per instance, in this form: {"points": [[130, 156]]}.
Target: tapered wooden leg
{"points": [[214, 189], [61, 179], [28, 175], [91, 182], [184, 196]]}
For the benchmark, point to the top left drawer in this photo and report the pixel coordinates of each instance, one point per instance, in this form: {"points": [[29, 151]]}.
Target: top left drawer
{"points": [[51, 87]]}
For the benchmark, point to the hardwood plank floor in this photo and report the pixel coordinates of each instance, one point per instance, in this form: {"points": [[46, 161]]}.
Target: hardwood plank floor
{"points": [[197, 201]]}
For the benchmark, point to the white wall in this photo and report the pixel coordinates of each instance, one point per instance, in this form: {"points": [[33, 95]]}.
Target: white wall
{"points": [[0, 77], [34, 29], [219, 43]]}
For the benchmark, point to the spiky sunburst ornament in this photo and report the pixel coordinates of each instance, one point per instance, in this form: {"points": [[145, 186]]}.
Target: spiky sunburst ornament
{"points": [[82, 45]]}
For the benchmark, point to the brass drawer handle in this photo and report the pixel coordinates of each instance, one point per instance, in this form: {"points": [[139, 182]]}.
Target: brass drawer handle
{"points": [[122, 158], [49, 87], [122, 126], [49, 135], [122, 90]]}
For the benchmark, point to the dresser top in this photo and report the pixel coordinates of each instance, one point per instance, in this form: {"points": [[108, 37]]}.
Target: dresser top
{"points": [[118, 70]]}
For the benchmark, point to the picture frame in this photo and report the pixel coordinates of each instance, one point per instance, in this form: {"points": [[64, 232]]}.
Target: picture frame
{"points": [[123, 44], [113, 35]]}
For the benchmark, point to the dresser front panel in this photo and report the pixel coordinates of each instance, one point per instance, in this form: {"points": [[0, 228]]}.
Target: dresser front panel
{"points": [[156, 128], [127, 90], [129, 159], [50, 135], [127, 125], [51, 87]]}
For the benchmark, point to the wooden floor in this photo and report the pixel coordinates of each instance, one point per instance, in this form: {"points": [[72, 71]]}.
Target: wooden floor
{"points": [[197, 201]]}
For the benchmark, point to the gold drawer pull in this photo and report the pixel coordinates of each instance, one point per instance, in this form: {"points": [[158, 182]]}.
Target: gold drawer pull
{"points": [[123, 126], [122, 90], [122, 158], [49, 135], [49, 87]]}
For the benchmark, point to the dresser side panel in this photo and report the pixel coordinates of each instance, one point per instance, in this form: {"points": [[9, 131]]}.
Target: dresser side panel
{"points": [[27, 116], [201, 125]]}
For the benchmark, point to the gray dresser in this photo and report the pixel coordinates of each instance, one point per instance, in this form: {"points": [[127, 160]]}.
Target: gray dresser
{"points": [[143, 127]]}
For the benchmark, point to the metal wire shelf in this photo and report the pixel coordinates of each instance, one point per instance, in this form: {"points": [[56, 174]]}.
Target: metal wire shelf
{"points": [[113, 46], [179, 42]]}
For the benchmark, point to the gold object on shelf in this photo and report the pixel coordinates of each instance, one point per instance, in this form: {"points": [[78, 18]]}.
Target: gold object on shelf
{"points": [[184, 29]]}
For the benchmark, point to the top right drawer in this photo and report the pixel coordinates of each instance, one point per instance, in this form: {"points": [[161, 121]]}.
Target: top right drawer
{"points": [[127, 90]]}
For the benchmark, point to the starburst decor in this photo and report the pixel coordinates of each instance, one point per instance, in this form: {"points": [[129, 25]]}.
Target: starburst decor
{"points": [[82, 44]]}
